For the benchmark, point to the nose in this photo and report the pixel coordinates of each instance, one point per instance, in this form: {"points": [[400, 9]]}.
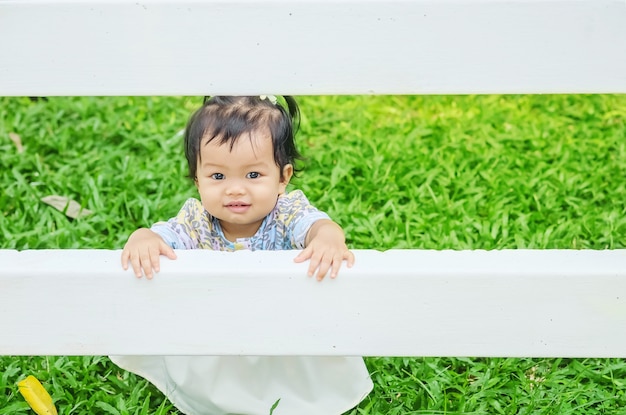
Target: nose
{"points": [[235, 187]]}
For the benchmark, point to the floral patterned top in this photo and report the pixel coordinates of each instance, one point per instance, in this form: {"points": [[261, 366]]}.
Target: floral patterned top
{"points": [[285, 227]]}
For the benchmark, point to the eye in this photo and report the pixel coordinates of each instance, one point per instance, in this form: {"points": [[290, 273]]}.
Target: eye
{"points": [[253, 175], [217, 176]]}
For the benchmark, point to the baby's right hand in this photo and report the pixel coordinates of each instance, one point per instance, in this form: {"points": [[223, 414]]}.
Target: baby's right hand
{"points": [[143, 250]]}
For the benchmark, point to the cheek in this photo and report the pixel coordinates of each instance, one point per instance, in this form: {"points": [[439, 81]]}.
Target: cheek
{"points": [[207, 191], [269, 193]]}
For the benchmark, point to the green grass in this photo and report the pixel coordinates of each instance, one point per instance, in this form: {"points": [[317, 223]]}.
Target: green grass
{"points": [[431, 172]]}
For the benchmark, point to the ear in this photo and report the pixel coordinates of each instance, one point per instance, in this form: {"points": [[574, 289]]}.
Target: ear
{"points": [[195, 181], [287, 174]]}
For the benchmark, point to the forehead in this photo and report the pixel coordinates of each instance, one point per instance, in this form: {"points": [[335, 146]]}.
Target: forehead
{"points": [[248, 147]]}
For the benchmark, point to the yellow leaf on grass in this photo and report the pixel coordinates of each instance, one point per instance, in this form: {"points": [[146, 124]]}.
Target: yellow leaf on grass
{"points": [[70, 207], [36, 396]]}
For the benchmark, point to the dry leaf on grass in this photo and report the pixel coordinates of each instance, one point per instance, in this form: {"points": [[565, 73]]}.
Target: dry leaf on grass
{"points": [[70, 207], [17, 140], [36, 396]]}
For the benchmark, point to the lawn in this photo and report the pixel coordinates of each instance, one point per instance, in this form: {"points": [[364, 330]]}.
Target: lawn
{"points": [[424, 172]]}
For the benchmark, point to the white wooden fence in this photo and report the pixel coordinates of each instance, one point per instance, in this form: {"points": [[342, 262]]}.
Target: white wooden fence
{"points": [[398, 303], [210, 47], [404, 302]]}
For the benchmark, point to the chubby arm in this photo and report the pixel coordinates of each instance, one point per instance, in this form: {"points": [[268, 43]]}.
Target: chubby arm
{"points": [[143, 249], [325, 246]]}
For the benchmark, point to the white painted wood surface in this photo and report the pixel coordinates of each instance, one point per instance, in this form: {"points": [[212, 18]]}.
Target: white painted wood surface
{"points": [[208, 47], [541, 303]]}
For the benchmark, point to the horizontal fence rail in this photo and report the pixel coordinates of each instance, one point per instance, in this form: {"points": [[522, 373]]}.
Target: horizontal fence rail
{"points": [[532, 303], [209, 47]]}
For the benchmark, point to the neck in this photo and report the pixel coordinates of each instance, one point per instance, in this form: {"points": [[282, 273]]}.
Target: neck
{"points": [[232, 232]]}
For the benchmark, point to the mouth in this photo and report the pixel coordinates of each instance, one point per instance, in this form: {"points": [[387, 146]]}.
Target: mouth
{"points": [[237, 207]]}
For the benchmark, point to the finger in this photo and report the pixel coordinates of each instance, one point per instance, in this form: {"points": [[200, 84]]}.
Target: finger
{"points": [[349, 257], [136, 263], [155, 260], [303, 255], [313, 265], [323, 269], [146, 264], [168, 251], [334, 271], [125, 256]]}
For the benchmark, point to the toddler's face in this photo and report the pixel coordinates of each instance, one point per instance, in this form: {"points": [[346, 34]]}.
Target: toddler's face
{"points": [[240, 186]]}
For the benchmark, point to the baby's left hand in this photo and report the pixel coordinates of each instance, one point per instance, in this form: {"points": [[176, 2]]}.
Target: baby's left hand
{"points": [[326, 248]]}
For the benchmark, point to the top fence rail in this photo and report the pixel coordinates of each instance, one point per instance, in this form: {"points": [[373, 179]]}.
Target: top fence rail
{"points": [[206, 47]]}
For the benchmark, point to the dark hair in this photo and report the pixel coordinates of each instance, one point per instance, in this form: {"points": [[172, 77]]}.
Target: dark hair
{"points": [[226, 118]]}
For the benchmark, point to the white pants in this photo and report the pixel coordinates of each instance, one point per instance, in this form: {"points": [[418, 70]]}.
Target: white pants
{"points": [[249, 385]]}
